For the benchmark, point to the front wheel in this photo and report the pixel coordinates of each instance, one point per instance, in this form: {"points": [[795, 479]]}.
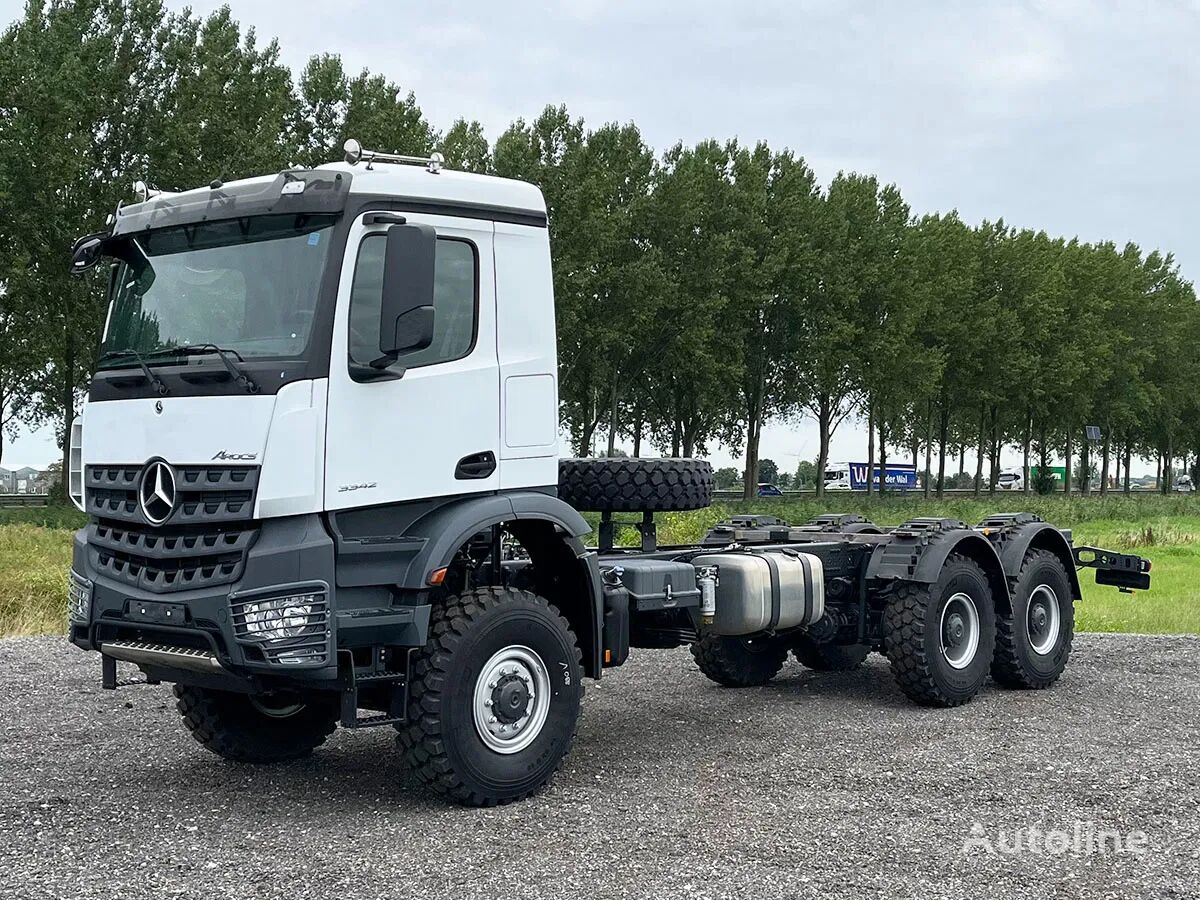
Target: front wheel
{"points": [[940, 637], [494, 697], [257, 728]]}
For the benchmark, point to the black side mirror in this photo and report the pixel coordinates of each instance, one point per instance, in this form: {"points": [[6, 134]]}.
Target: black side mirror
{"points": [[86, 252], [406, 313]]}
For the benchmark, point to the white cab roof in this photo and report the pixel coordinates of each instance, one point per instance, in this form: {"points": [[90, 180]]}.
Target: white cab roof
{"points": [[415, 182]]}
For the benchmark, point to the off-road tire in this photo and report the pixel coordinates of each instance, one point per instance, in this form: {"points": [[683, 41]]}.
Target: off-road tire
{"points": [[828, 657], [635, 485], [440, 740], [231, 726], [737, 662], [912, 629], [1015, 664]]}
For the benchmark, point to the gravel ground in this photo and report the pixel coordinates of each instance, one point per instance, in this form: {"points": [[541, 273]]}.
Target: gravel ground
{"points": [[816, 785]]}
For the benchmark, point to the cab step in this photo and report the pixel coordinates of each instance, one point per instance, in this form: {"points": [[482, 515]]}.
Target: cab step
{"points": [[397, 701]]}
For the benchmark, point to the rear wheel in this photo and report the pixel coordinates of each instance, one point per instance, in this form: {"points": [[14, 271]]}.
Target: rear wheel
{"points": [[737, 661], [827, 657], [940, 637], [1034, 642], [494, 697], [257, 728]]}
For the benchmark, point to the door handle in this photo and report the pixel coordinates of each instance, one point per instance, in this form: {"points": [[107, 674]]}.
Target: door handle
{"points": [[475, 466]]}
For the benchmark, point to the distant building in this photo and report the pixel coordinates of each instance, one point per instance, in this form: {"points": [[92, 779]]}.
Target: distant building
{"points": [[27, 480]]}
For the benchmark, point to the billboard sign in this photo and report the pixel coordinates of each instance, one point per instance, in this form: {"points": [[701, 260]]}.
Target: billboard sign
{"points": [[896, 477]]}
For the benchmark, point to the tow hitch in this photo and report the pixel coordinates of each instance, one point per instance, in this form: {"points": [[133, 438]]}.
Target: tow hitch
{"points": [[1124, 571]]}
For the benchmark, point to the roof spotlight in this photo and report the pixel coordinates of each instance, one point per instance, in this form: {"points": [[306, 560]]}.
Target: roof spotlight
{"points": [[353, 151]]}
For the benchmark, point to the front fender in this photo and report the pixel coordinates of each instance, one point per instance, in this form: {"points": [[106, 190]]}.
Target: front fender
{"points": [[402, 544], [449, 527]]}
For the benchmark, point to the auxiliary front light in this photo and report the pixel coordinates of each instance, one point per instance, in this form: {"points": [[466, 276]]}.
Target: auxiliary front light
{"points": [[281, 618], [79, 599]]}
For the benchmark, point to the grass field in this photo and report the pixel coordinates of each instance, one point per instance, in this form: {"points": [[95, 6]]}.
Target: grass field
{"points": [[35, 551]]}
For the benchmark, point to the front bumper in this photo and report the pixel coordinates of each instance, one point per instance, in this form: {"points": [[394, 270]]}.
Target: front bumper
{"points": [[291, 556]]}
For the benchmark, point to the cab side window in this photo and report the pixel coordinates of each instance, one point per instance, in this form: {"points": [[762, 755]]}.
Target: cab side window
{"points": [[454, 303]]}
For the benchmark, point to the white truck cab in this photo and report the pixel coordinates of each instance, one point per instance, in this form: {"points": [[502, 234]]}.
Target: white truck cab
{"points": [[286, 275]]}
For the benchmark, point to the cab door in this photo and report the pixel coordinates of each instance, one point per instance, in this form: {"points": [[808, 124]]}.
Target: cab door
{"points": [[434, 431]]}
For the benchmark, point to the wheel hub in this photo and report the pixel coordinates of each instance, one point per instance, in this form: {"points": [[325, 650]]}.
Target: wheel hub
{"points": [[1043, 620], [960, 630], [512, 699], [955, 629]]}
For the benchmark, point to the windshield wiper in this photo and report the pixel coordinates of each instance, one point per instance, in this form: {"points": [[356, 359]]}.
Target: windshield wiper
{"points": [[202, 349], [157, 383]]}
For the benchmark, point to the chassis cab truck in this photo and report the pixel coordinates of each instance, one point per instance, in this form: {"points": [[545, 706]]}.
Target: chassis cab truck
{"points": [[320, 461]]}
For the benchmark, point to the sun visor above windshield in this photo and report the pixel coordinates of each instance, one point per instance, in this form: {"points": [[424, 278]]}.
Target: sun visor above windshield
{"points": [[322, 192]]}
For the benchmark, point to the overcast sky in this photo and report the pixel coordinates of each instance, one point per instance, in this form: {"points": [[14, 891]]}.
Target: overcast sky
{"points": [[1079, 118]]}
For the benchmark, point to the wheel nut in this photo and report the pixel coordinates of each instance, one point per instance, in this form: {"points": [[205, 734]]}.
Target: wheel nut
{"points": [[487, 703], [492, 720]]}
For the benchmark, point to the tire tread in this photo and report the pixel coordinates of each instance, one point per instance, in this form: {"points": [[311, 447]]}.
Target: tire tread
{"points": [[1007, 666], [635, 485], [207, 716], [904, 629], [724, 660]]}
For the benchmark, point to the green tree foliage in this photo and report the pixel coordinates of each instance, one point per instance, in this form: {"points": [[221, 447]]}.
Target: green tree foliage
{"points": [[77, 84], [727, 479], [768, 471], [466, 148], [807, 476], [701, 293]]}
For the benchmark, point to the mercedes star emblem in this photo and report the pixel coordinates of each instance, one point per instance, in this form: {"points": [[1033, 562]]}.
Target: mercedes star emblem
{"points": [[156, 493]]}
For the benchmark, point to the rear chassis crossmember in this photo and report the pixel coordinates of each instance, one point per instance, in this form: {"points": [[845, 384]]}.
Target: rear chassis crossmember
{"points": [[1124, 571]]}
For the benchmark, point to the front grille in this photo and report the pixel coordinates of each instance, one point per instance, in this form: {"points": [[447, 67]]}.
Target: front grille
{"points": [[203, 542], [163, 561], [204, 494]]}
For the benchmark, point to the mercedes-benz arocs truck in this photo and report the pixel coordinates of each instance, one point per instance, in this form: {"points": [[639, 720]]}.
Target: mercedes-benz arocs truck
{"points": [[320, 460]]}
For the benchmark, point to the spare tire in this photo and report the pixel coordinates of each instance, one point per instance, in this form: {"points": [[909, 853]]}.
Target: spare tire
{"points": [[635, 485]]}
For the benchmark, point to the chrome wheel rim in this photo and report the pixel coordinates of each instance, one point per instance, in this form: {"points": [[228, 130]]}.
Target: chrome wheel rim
{"points": [[1043, 619], [512, 699], [959, 631]]}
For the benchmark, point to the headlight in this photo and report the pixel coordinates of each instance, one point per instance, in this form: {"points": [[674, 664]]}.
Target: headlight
{"points": [[280, 618], [79, 599]]}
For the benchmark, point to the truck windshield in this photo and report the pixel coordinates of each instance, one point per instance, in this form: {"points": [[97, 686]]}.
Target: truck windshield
{"points": [[248, 285]]}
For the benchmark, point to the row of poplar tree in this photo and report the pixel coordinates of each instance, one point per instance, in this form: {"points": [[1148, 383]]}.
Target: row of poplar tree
{"points": [[701, 293]]}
